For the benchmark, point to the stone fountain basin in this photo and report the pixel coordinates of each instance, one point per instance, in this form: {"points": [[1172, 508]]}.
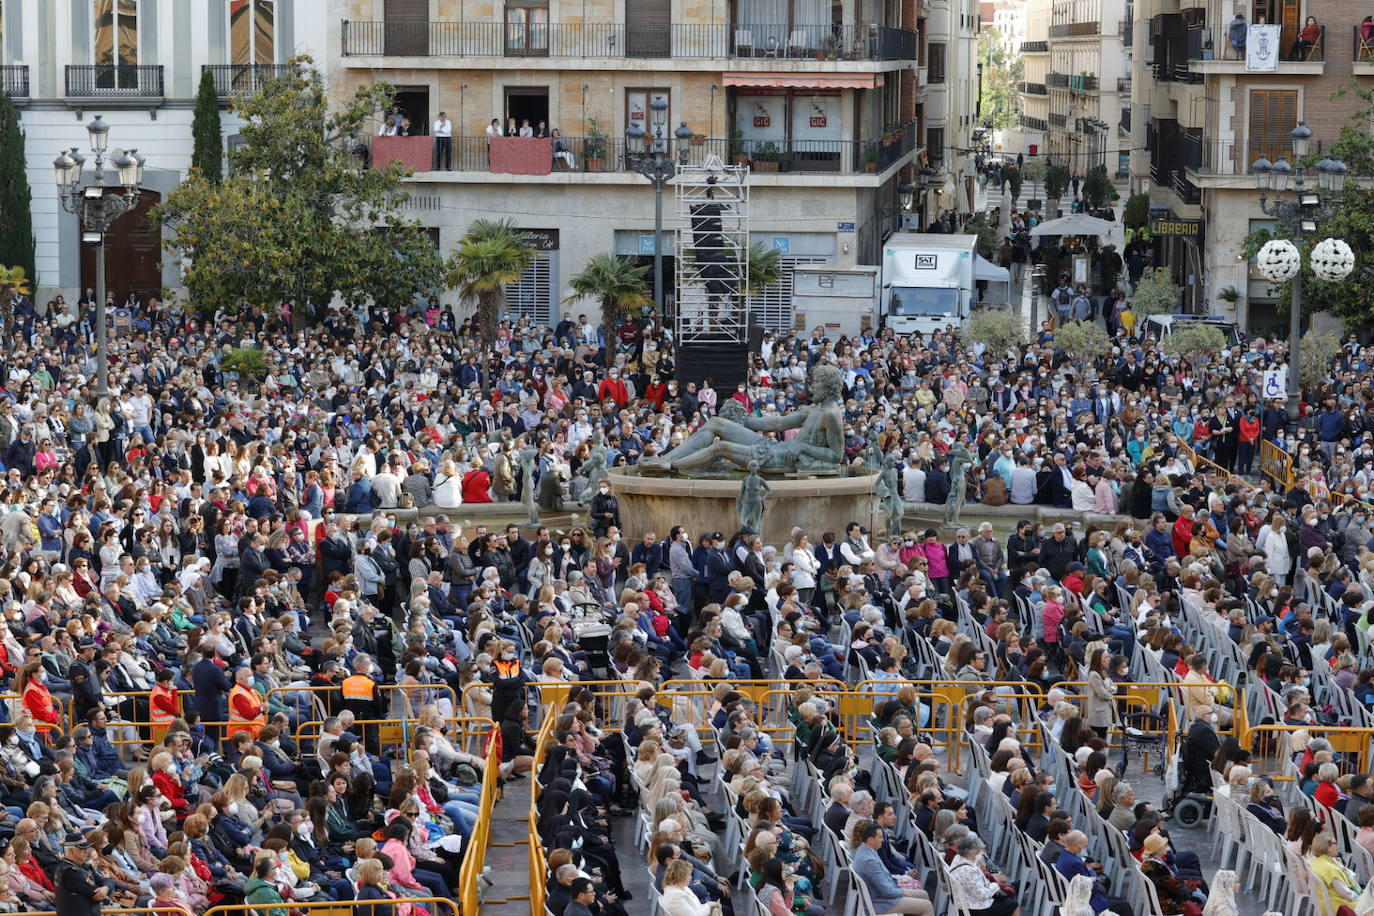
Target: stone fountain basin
{"points": [[703, 504]]}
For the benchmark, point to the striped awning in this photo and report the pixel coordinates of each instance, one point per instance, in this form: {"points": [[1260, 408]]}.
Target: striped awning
{"points": [[806, 80]]}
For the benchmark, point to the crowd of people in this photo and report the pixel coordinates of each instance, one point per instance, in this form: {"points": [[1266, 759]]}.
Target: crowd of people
{"points": [[205, 562]]}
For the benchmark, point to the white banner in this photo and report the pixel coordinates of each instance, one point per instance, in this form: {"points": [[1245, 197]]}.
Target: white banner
{"points": [[1262, 47]]}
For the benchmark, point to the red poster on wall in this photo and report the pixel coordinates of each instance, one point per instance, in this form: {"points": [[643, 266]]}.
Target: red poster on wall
{"points": [[818, 122], [760, 121]]}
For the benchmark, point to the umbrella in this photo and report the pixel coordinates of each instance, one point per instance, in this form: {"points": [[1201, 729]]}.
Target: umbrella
{"points": [[1074, 224]]}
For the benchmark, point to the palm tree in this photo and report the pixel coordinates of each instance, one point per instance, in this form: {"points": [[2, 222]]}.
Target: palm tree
{"points": [[619, 283], [764, 268], [491, 255]]}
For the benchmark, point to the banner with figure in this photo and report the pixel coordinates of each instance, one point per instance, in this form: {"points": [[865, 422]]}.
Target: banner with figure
{"points": [[1262, 47]]}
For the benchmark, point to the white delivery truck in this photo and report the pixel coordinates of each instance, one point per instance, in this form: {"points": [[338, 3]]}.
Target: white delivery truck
{"points": [[929, 281]]}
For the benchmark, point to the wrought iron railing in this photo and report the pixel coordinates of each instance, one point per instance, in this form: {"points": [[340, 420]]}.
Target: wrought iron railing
{"points": [[114, 81]]}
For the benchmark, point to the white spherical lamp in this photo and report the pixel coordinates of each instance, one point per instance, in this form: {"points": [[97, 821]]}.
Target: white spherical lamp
{"points": [[1332, 260], [1279, 260]]}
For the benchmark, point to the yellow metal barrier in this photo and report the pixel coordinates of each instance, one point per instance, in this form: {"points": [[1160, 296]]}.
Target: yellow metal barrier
{"points": [[1201, 463], [1271, 747], [475, 859], [398, 732], [1276, 464], [539, 865], [440, 906]]}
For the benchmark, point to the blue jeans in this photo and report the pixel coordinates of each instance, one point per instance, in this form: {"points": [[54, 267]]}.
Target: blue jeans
{"points": [[682, 591], [464, 816], [1127, 637]]}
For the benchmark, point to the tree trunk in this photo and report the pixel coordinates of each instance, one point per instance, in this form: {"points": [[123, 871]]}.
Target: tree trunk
{"points": [[488, 310], [610, 324]]}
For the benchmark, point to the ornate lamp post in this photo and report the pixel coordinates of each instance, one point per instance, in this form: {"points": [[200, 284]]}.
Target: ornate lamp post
{"points": [[659, 167], [96, 210], [1281, 259]]}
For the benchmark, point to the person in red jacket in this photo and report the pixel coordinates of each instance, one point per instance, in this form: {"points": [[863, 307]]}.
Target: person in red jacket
{"points": [[1249, 441], [1183, 531], [32, 685], [168, 782], [477, 484], [613, 388]]}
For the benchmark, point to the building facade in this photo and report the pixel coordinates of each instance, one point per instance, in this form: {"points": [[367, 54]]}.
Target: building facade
{"points": [[1205, 113], [949, 100], [137, 64], [1084, 59], [821, 100]]}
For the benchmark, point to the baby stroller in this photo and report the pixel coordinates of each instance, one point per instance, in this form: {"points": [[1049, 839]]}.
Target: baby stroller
{"points": [[1188, 787], [593, 637]]}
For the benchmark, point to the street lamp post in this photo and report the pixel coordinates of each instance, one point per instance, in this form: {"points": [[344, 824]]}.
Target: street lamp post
{"points": [[1299, 217], [96, 210], [659, 167]]}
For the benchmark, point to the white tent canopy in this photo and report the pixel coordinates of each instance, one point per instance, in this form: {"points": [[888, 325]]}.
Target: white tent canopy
{"points": [[983, 269], [1074, 224]]}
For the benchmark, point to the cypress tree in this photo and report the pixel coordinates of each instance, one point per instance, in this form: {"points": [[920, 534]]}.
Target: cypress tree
{"points": [[208, 153], [16, 219]]}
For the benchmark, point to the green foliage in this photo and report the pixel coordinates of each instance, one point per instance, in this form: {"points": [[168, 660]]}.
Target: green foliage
{"points": [[296, 220], [988, 240], [1156, 294], [595, 145], [1137, 211], [997, 329], [1056, 180], [1013, 176], [619, 283], [1228, 294], [1083, 341], [999, 89], [764, 266], [207, 155], [1314, 357], [1096, 187], [1034, 169], [16, 220], [246, 361], [1193, 339], [491, 255]]}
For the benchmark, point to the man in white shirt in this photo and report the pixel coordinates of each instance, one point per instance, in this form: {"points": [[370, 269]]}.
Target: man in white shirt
{"points": [[443, 143]]}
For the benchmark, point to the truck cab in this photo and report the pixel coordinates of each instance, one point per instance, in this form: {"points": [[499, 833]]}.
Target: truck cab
{"points": [[928, 282]]}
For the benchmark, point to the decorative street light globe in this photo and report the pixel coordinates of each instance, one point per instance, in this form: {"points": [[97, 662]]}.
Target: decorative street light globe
{"points": [[1279, 260], [1332, 260]]}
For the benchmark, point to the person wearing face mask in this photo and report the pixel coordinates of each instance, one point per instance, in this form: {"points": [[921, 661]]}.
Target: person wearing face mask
{"points": [[614, 390], [604, 509], [32, 685]]}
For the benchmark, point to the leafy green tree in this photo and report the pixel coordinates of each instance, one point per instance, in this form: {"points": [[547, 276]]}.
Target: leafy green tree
{"points": [[16, 220], [1096, 187], [1136, 212], [997, 329], [999, 83], [1056, 180], [1314, 357], [1013, 176], [1083, 341], [1193, 340], [296, 220], [491, 255], [619, 283], [987, 235], [207, 154], [1156, 294]]}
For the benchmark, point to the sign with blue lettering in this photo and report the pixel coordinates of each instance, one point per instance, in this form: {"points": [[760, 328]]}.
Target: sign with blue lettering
{"points": [[782, 243]]}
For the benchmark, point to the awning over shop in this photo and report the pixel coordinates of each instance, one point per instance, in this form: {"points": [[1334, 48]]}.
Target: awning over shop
{"points": [[806, 80]]}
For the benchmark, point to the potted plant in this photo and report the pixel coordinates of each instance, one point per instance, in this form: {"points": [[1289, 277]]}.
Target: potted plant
{"points": [[738, 155], [870, 158], [698, 139], [594, 151], [829, 47], [767, 158], [1229, 294]]}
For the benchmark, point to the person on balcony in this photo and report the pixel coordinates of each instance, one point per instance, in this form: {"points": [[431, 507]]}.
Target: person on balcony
{"points": [[1235, 33], [1308, 39]]}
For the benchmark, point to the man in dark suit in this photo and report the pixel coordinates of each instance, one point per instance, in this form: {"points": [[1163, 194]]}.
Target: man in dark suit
{"points": [[925, 814], [1058, 552], [718, 568], [212, 687], [828, 556], [937, 483], [837, 815], [1054, 489]]}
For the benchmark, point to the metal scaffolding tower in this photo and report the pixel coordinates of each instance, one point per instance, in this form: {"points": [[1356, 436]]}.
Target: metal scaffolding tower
{"points": [[713, 246]]}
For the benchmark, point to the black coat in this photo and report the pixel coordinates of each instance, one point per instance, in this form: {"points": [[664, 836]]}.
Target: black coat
{"points": [[76, 886]]}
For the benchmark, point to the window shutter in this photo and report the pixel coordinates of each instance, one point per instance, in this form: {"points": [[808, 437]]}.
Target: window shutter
{"points": [[407, 27], [647, 28]]}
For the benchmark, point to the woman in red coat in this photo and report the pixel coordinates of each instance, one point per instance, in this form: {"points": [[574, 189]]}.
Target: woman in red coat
{"points": [[32, 684], [169, 783], [477, 484]]}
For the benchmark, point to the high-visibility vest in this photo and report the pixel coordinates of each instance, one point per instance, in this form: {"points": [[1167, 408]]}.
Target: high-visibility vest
{"points": [[358, 687], [162, 718], [238, 722]]}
